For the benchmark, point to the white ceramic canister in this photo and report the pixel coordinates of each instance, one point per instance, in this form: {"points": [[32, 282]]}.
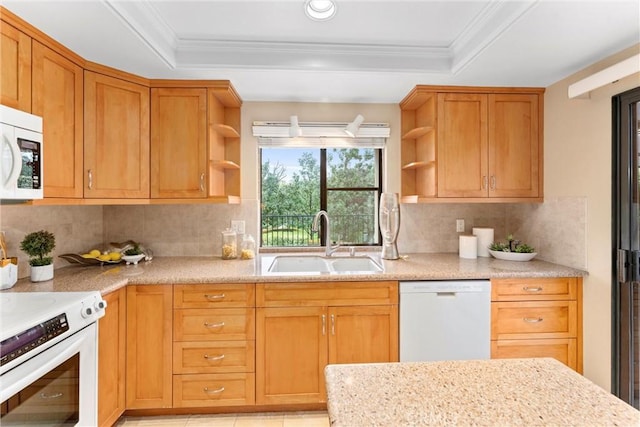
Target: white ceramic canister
{"points": [[485, 239], [468, 246]]}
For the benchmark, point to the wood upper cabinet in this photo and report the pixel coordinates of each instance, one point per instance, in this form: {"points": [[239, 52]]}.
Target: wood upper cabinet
{"points": [[149, 346], [112, 330], [15, 68], [302, 327], [116, 138], [178, 142], [514, 145], [472, 144], [58, 98], [462, 145]]}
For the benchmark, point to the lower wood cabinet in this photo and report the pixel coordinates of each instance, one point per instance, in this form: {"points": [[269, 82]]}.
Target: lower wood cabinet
{"points": [[149, 346], [302, 327], [537, 317], [112, 358], [213, 345]]}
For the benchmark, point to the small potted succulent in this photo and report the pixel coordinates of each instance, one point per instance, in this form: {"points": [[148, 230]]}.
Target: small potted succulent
{"points": [[133, 255], [38, 245]]}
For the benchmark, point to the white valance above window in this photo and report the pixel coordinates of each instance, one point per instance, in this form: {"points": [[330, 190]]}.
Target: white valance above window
{"points": [[320, 135]]}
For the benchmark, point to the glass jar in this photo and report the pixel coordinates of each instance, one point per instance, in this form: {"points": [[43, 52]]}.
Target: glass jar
{"points": [[248, 247], [229, 244]]}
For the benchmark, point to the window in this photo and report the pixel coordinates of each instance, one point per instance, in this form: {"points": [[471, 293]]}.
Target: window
{"points": [[298, 182]]}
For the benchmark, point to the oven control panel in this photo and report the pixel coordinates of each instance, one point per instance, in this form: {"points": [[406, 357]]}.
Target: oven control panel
{"points": [[22, 343]]}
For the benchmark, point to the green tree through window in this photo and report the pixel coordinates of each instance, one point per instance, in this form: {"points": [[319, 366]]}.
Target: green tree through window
{"points": [[297, 183]]}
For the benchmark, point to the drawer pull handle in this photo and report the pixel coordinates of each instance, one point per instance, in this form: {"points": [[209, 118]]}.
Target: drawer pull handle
{"points": [[324, 325], [213, 325], [216, 391], [51, 396], [214, 297], [530, 289], [214, 358], [533, 319]]}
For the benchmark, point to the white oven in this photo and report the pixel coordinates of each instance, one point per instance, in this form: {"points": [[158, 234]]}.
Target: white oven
{"points": [[48, 357], [21, 155]]}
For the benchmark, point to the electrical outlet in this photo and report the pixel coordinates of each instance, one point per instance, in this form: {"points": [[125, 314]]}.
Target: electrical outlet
{"points": [[460, 225], [237, 226]]}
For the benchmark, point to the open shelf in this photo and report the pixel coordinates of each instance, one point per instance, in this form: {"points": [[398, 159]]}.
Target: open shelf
{"points": [[418, 165], [417, 132], [225, 130], [224, 164]]}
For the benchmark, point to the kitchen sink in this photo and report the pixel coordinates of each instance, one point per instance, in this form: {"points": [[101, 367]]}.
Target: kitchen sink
{"points": [[299, 264], [319, 264], [355, 264]]}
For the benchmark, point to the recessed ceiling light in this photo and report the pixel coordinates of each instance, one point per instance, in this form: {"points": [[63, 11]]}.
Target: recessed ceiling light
{"points": [[320, 10]]}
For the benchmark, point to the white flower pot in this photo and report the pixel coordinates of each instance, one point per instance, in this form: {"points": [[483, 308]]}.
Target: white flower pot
{"points": [[42, 273]]}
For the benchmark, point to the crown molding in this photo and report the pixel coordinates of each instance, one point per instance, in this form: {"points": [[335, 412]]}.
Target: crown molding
{"points": [[200, 52]]}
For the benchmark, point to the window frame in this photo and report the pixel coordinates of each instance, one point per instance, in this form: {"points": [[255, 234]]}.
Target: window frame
{"points": [[325, 189]]}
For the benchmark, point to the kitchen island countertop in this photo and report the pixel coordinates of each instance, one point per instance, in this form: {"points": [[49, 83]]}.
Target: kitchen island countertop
{"points": [[477, 392], [193, 270]]}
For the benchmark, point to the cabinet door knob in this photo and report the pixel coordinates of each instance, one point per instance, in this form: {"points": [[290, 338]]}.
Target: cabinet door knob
{"points": [[532, 289], [202, 182], [217, 297], [90, 179], [324, 324], [533, 319]]}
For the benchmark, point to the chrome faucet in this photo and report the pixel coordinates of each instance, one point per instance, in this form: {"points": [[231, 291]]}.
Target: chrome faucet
{"points": [[327, 232]]}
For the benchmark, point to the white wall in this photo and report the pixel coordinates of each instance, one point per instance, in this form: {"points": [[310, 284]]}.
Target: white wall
{"points": [[578, 164]]}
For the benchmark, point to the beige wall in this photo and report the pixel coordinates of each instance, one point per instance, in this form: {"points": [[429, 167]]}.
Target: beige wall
{"points": [[578, 164]]}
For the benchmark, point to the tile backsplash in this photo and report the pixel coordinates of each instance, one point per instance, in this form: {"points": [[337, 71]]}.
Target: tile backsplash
{"points": [[556, 228]]}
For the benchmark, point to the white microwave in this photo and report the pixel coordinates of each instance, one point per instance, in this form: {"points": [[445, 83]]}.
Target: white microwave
{"points": [[21, 155]]}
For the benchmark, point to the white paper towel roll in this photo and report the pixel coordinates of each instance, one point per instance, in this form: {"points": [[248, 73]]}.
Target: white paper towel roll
{"points": [[485, 238], [468, 246]]}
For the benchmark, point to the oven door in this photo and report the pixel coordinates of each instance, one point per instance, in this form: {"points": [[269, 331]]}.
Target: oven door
{"points": [[58, 387]]}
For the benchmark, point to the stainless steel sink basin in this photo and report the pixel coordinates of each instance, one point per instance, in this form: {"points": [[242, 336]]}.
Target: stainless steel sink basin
{"points": [[319, 264]]}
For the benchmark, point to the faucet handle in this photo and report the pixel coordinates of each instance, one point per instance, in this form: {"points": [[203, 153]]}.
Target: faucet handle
{"points": [[352, 251]]}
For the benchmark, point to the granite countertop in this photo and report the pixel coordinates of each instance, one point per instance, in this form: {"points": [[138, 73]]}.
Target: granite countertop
{"points": [[504, 392], [170, 270]]}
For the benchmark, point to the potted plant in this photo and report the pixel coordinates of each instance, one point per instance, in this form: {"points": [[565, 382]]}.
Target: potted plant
{"points": [[38, 245]]}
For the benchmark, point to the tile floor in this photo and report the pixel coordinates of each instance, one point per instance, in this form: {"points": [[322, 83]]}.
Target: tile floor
{"points": [[276, 419]]}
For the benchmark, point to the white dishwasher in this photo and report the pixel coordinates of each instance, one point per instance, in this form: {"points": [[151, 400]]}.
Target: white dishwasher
{"points": [[445, 320]]}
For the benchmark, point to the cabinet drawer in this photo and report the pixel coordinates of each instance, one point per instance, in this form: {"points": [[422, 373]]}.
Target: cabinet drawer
{"points": [[213, 296], [534, 289], [563, 349], [213, 390], [326, 293], [214, 357], [196, 324], [540, 319]]}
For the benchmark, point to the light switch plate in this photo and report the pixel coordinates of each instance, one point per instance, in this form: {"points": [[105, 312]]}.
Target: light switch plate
{"points": [[460, 225]]}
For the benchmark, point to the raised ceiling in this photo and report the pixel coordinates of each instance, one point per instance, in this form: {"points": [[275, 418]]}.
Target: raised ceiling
{"points": [[371, 51]]}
